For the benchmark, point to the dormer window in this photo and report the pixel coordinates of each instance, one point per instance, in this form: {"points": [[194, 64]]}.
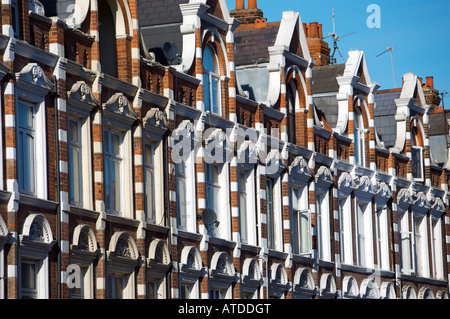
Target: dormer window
{"points": [[358, 134], [107, 39], [211, 81], [291, 100], [416, 155]]}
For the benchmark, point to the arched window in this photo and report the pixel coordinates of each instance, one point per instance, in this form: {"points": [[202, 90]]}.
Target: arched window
{"points": [[416, 151], [107, 39], [211, 81], [358, 133], [291, 101]]}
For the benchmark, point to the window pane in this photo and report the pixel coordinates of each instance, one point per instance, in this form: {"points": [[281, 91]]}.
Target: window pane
{"points": [[74, 171], [148, 154], [115, 140], [25, 115], [28, 275], [361, 236], [73, 132], [116, 185], [206, 93], [149, 193], [108, 190], [208, 60], [181, 201], [304, 232], [215, 94]]}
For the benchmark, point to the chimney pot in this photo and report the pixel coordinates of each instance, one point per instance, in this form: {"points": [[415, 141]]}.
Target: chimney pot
{"points": [[313, 30], [430, 82], [252, 4], [240, 5]]}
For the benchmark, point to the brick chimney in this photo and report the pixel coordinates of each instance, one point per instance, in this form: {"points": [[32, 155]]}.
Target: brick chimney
{"points": [[318, 48], [432, 96], [251, 15]]}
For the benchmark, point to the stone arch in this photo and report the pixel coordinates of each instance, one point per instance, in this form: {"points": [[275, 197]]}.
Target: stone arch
{"points": [[37, 228], [350, 287], [190, 256], [83, 238], [159, 252], [370, 289], [221, 263], [122, 244]]}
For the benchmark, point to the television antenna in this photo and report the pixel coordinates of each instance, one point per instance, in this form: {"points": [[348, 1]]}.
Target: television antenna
{"points": [[336, 38], [392, 62], [443, 94]]}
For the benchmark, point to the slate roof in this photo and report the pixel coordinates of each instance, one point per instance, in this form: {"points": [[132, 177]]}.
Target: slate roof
{"points": [[325, 78], [159, 22], [438, 124], [252, 45], [327, 106], [384, 113]]}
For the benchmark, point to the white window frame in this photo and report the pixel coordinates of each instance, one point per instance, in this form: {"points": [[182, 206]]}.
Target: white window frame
{"points": [[111, 158], [210, 75], [32, 86], [275, 243], [26, 130], [405, 235], [345, 224], [78, 146], [79, 107], [363, 221], [358, 134], [417, 150], [149, 166], [322, 205], [223, 230], [249, 227], [420, 245], [189, 223], [127, 285], [436, 244], [300, 207], [382, 236]]}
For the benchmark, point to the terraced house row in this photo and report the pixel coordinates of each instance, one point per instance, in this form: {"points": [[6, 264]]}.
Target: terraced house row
{"points": [[176, 149]]}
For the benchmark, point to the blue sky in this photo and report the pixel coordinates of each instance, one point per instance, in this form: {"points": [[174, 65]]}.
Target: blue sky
{"points": [[418, 31]]}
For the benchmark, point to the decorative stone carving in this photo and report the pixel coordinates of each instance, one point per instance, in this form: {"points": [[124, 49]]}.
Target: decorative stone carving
{"points": [[32, 74], [118, 103], [324, 175], [221, 264], [156, 117], [123, 245], [36, 7], [346, 180], [82, 92]]}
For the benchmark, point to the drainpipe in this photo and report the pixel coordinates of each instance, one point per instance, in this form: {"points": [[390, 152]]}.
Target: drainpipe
{"points": [[167, 204], [58, 197]]}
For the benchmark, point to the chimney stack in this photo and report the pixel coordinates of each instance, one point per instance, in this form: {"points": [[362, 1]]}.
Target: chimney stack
{"points": [[250, 16], [317, 46]]}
